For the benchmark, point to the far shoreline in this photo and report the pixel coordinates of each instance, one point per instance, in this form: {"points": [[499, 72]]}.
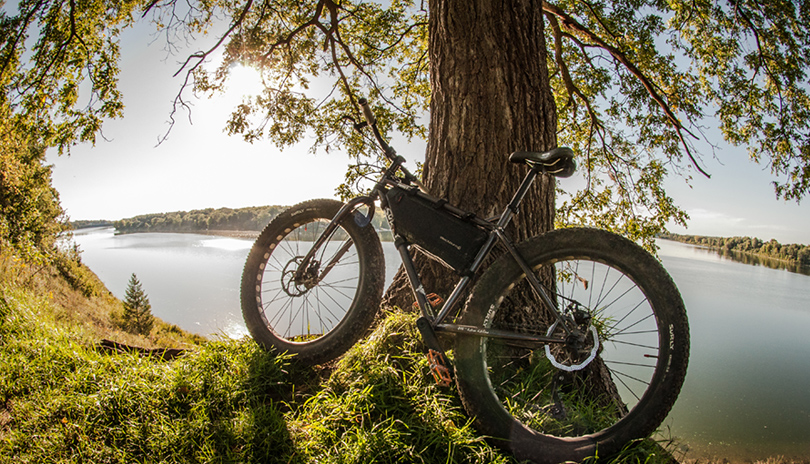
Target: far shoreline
{"points": [[245, 234]]}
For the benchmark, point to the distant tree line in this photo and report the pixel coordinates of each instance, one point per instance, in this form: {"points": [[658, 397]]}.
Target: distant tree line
{"points": [[251, 218], [793, 253], [84, 224]]}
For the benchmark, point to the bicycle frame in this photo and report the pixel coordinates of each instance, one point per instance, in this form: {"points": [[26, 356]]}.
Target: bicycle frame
{"points": [[497, 234], [430, 323]]}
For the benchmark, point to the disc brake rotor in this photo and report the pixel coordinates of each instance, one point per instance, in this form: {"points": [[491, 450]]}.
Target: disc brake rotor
{"points": [[297, 287], [576, 353]]}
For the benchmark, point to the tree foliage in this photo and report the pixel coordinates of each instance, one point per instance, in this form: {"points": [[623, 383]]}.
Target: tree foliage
{"points": [[636, 82], [210, 219], [792, 253], [58, 82], [30, 215], [59, 66], [640, 85], [253, 218]]}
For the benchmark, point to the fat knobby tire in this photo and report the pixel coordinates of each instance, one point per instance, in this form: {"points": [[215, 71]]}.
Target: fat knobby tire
{"points": [[358, 316], [476, 389]]}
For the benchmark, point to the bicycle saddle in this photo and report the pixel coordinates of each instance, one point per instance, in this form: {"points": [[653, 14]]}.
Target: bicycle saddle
{"points": [[558, 162]]}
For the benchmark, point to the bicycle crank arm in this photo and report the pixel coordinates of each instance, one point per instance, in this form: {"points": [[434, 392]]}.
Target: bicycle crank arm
{"points": [[439, 364], [428, 334]]}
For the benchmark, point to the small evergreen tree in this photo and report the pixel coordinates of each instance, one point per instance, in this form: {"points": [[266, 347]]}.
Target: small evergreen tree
{"points": [[137, 316]]}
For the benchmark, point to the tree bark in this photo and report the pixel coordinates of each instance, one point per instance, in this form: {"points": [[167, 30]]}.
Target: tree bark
{"points": [[490, 97]]}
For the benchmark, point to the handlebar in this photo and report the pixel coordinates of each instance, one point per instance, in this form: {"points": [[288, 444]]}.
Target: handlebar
{"points": [[390, 153]]}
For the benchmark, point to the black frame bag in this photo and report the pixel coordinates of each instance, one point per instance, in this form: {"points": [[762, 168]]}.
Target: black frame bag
{"points": [[426, 221]]}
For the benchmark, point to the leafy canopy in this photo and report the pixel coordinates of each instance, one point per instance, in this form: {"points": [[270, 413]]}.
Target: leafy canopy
{"points": [[58, 75], [638, 83], [59, 66], [30, 215]]}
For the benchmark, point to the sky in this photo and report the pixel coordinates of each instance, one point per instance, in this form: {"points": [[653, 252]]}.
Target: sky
{"points": [[199, 166]]}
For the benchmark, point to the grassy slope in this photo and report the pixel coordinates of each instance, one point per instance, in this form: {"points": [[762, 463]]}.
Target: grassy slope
{"points": [[62, 400], [81, 302]]}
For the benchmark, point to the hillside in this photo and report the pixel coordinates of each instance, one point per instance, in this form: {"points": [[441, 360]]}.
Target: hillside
{"points": [[73, 295], [222, 400]]}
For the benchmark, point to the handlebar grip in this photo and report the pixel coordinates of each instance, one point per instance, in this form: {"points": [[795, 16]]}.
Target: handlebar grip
{"points": [[367, 112]]}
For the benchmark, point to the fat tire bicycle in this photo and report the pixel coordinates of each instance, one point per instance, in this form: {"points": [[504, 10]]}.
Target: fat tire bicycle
{"points": [[571, 343]]}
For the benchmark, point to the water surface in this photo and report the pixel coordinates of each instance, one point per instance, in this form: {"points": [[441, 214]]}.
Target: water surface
{"points": [[746, 392]]}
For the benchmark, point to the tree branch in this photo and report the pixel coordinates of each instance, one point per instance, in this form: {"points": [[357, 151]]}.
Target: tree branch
{"points": [[761, 55], [313, 22], [43, 73], [21, 30], [575, 27], [200, 57]]}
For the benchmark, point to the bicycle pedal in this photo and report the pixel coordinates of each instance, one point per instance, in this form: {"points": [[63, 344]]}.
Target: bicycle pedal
{"points": [[439, 370], [433, 299]]}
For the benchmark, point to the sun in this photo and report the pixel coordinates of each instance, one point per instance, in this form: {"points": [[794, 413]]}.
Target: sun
{"points": [[244, 80]]}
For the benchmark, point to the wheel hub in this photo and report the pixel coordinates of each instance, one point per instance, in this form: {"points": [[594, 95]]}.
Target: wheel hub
{"points": [[296, 281], [581, 343]]}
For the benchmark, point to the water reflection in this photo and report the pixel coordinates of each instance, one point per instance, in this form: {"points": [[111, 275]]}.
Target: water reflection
{"points": [[766, 261], [192, 280], [693, 251], [745, 396]]}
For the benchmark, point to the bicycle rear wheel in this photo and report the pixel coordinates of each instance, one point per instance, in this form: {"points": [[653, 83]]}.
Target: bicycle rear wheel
{"points": [[613, 380], [321, 312]]}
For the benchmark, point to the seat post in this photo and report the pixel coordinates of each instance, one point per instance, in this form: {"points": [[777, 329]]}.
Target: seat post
{"points": [[512, 207]]}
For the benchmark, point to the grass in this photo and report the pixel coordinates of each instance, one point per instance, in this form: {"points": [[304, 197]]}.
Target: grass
{"points": [[63, 400]]}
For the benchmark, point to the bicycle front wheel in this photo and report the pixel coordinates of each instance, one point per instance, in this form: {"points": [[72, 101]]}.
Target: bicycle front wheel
{"points": [[319, 311], [620, 362]]}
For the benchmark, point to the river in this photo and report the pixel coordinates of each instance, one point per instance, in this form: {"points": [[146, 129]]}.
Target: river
{"points": [[746, 392]]}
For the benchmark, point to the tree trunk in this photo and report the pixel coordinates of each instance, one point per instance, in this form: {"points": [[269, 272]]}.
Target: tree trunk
{"points": [[490, 97]]}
